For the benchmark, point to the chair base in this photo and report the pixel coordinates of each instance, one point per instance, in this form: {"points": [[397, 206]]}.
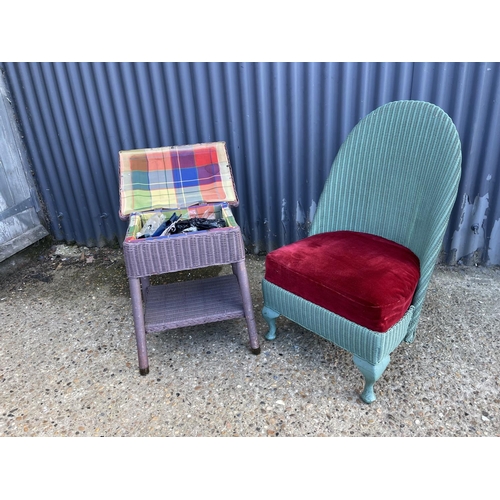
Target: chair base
{"points": [[371, 350]]}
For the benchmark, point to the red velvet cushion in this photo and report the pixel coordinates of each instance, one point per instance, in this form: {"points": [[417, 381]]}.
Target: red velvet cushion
{"points": [[364, 278]]}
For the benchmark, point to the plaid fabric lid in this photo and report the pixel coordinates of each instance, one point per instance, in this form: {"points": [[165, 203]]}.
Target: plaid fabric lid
{"points": [[175, 177]]}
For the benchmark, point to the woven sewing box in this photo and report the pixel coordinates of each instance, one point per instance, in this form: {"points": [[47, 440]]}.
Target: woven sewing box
{"points": [[191, 181]]}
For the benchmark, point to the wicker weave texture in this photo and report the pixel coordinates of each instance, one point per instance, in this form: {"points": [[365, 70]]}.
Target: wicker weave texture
{"points": [[369, 345], [192, 303], [190, 251], [396, 176]]}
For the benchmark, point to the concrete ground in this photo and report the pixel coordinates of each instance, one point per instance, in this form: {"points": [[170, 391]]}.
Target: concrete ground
{"points": [[68, 362]]}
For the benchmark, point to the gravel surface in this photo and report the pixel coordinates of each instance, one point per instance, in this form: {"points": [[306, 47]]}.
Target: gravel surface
{"points": [[68, 362]]}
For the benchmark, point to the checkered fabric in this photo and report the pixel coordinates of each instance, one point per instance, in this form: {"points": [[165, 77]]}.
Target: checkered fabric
{"points": [[175, 177]]}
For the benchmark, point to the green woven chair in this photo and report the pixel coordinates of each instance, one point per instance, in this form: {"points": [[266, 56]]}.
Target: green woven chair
{"points": [[360, 278]]}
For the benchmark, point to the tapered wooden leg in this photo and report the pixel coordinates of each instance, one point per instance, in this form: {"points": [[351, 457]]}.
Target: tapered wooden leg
{"points": [[371, 373], [240, 270], [140, 331]]}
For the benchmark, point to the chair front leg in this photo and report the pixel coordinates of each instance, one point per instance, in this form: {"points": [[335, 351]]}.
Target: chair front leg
{"points": [[270, 316], [371, 373]]}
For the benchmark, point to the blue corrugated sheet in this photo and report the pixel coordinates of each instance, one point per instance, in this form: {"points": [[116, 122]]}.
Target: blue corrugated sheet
{"points": [[283, 124]]}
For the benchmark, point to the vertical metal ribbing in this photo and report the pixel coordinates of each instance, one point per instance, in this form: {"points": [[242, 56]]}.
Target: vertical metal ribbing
{"points": [[58, 172], [264, 186], [102, 160], [283, 123], [174, 104], [72, 117], [250, 138], [161, 105]]}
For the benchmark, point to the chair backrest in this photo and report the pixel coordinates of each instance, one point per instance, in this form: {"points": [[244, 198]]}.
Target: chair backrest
{"points": [[396, 176]]}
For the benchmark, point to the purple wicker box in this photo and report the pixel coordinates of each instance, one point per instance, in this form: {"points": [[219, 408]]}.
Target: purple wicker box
{"points": [[165, 254], [192, 181], [188, 180]]}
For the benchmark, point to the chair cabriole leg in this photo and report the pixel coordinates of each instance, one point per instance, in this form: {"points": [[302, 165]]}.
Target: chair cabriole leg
{"points": [[270, 316], [371, 374]]}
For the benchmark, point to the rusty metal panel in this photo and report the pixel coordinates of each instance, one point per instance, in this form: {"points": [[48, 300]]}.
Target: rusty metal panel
{"points": [[283, 124], [470, 94]]}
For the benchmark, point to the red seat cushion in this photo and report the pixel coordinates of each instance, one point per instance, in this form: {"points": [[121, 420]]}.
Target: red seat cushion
{"points": [[364, 278]]}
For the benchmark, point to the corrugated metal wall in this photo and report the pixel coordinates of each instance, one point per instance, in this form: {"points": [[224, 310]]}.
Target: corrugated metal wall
{"points": [[283, 124]]}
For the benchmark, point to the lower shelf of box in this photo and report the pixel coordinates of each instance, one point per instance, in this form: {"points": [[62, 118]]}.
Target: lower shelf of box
{"points": [[193, 302]]}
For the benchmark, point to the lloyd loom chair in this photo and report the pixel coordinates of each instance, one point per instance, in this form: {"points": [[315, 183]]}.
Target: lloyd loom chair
{"points": [[360, 278]]}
